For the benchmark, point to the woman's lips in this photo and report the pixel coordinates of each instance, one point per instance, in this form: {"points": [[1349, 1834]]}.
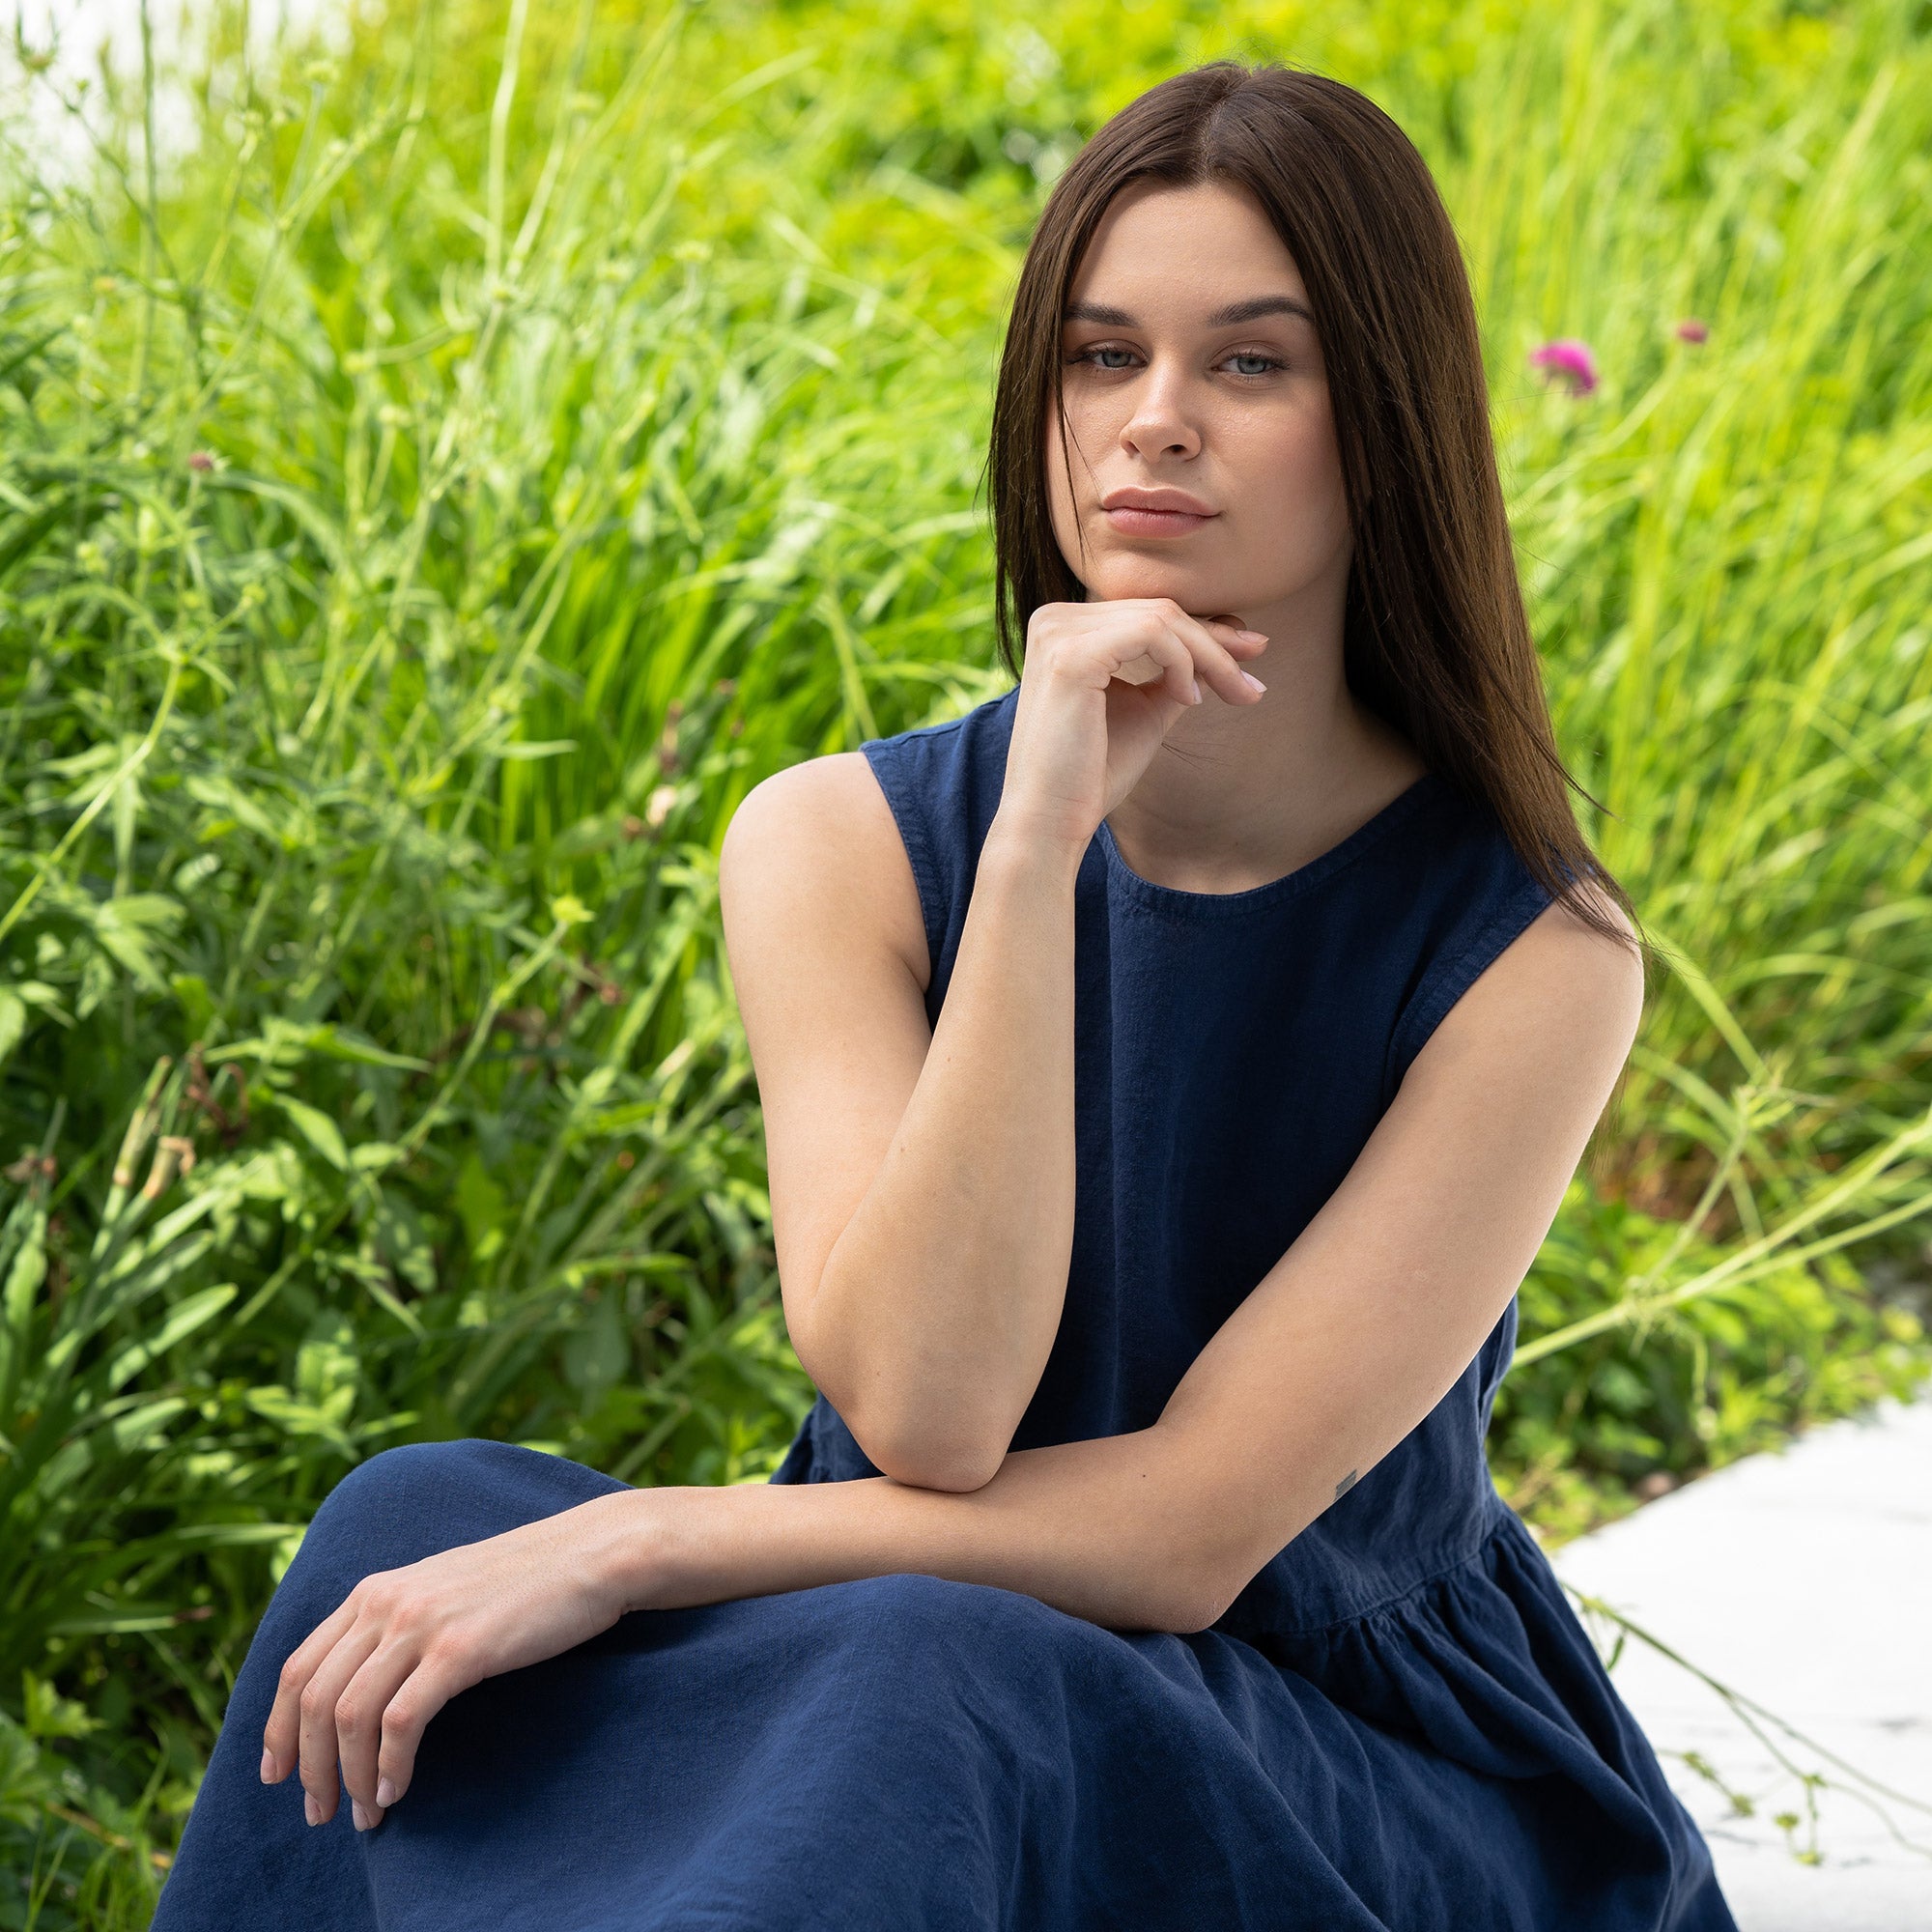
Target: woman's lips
{"points": [[1130, 522]]}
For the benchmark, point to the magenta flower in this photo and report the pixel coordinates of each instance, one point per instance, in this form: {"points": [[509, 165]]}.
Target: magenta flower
{"points": [[200, 462], [1570, 359], [1690, 329]]}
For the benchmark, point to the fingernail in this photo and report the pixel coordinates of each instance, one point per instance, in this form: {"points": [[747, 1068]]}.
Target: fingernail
{"points": [[311, 1807], [1254, 680], [1194, 692], [1253, 636], [358, 1816], [268, 1767], [385, 1793]]}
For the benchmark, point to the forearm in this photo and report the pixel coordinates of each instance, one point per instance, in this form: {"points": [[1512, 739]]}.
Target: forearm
{"points": [[1109, 1530], [1104, 1530], [938, 1304]]}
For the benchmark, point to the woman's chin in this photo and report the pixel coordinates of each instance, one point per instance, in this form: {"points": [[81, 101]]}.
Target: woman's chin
{"points": [[1192, 590]]}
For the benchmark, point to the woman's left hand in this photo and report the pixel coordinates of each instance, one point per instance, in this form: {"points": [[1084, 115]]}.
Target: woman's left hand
{"points": [[368, 1679]]}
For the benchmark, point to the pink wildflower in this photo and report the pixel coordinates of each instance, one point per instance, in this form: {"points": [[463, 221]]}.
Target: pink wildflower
{"points": [[1690, 329], [1570, 358], [200, 462]]}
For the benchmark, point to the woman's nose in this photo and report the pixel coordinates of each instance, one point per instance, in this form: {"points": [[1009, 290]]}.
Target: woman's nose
{"points": [[1161, 424]]}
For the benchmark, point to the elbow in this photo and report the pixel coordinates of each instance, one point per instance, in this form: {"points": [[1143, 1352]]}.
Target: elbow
{"points": [[1158, 1593], [1218, 1561], [954, 1475], [1195, 1602], [929, 1458], [924, 1460], [928, 1439], [1199, 1568]]}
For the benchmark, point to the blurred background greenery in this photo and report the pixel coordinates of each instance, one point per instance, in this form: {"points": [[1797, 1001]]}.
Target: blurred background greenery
{"points": [[435, 489]]}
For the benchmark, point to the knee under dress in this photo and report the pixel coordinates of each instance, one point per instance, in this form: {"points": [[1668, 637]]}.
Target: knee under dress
{"points": [[1398, 1725]]}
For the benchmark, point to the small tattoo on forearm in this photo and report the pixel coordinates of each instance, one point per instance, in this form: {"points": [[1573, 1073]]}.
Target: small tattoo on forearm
{"points": [[1347, 1483]]}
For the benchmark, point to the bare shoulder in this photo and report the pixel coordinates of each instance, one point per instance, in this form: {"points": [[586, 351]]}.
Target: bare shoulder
{"points": [[813, 851], [1575, 960], [1563, 976]]}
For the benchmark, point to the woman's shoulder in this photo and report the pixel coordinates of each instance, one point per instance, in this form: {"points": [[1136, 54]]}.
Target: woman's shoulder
{"points": [[942, 781], [888, 832], [814, 844], [965, 752], [1467, 896]]}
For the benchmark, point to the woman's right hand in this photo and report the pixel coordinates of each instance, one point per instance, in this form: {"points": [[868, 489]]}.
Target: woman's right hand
{"points": [[1099, 688]]}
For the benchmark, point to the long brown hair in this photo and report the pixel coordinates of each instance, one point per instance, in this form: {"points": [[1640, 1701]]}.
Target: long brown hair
{"points": [[1435, 639]]}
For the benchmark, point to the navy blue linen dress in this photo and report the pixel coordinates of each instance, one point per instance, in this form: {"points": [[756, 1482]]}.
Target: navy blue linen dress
{"points": [[1398, 1723]]}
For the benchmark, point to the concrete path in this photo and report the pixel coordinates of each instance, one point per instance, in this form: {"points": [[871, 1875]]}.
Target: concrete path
{"points": [[1803, 1581]]}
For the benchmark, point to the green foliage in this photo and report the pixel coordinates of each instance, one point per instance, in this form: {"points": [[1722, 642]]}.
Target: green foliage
{"points": [[71, 1855], [1680, 1388], [434, 495]]}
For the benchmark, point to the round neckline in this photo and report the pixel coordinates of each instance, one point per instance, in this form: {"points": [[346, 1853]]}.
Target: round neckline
{"points": [[1270, 892]]}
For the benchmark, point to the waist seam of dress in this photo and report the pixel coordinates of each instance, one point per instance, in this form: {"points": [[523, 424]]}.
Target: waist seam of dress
{"points": [[1498, 1525]]}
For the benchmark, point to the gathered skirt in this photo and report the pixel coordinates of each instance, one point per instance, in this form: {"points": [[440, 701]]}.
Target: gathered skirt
{"points": [[909, 1754]]}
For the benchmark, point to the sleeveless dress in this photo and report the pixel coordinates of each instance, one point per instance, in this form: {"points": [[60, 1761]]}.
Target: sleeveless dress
{"points": [[1398, 1725]]}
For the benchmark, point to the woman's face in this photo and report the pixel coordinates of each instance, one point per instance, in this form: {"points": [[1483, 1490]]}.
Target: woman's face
{"points": [[1204, 460]]}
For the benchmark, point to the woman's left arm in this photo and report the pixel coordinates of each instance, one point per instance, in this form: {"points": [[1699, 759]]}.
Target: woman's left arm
{"points": [[1347, 1341]]}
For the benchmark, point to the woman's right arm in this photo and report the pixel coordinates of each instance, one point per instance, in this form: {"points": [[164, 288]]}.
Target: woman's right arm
{"points": [[922, 1180]]}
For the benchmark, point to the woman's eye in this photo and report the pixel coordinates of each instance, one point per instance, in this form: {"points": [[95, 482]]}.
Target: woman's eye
{"points": [[1111, 355]]}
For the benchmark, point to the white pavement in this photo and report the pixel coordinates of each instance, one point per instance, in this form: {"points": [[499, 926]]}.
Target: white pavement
{"points": [[1803, 1581]]}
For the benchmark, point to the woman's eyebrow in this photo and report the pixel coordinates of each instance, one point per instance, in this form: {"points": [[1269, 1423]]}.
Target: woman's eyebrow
{"points": [[1251, 310]]}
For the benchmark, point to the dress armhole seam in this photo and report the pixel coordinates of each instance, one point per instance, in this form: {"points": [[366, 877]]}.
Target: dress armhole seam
{"points": [[1525, 903], [883, 762]]}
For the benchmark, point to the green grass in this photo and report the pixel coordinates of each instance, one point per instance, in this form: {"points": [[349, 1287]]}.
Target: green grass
{"points": [[431, 502]]}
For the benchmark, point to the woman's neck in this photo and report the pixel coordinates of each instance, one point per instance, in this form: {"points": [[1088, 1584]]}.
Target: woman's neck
{"points": [[1238, 795]]}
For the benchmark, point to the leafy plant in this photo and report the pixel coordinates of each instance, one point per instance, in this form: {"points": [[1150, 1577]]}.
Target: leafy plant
{"points": [[437, 489]]}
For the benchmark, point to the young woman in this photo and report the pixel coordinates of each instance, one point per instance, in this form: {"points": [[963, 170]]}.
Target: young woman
{"points": [[1168, 1076]]}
